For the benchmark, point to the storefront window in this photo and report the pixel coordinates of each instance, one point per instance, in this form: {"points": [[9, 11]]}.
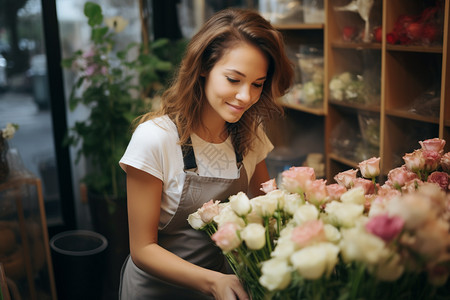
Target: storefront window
{"points": [[24, 97]]}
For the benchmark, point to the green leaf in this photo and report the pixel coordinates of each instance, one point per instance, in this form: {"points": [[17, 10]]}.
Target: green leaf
{"points": [[94, 13], [159, 43], [98, 34], [163, 66]]}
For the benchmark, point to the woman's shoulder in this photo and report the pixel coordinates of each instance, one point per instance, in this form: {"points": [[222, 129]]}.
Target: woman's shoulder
{"points": [[156, 131], [159, 123]]}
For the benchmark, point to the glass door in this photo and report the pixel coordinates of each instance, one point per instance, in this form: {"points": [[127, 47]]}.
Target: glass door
{"points": [[27, 100]]}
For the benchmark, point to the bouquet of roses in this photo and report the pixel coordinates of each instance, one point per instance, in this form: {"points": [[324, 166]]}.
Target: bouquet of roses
{"points": [[348, 240]]}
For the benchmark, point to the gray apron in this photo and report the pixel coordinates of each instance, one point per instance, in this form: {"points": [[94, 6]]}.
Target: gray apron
{"points": [[181, 239]]}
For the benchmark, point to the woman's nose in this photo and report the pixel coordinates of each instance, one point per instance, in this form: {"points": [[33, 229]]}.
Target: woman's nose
{"points": [[244, 93]]}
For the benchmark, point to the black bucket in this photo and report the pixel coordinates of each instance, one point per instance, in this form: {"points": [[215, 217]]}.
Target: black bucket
{"points": [[79, 264]]}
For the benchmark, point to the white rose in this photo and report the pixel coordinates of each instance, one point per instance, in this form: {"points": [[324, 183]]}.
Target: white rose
{"points": [[354, 195], [314, 261], [253, 217], [276, 274], [254, 236], [343, 214], [336, 84], [358, 245], [292, 202], [285, 246], [307, 212], [264, 206], [227, 215], [377, 207], [412, 208], [332, 234], [337, 95], [240, 204], [195, 221], [346, 77], [278, 196]]}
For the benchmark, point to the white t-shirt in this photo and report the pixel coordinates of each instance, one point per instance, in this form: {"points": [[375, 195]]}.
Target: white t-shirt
{"points": [[153, 149]]}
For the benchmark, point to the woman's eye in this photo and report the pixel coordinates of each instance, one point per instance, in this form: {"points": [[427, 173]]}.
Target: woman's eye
{"points": [[232, 80], [258, 85]]}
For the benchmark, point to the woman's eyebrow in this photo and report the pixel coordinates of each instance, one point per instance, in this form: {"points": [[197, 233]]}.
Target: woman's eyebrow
{"points": [[243, 75]]}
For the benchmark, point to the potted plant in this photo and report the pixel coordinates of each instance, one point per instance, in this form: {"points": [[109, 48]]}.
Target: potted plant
{"points": [[116, 85], [116, 89]]}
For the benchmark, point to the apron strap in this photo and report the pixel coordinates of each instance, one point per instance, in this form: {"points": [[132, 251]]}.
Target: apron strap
{"points": [[189, 156]]}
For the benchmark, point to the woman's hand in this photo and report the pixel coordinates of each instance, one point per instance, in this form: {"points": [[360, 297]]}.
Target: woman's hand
{"points": [[228, 287]]}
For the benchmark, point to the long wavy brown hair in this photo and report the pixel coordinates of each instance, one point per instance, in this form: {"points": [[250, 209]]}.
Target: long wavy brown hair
{"points": [[183, 101]]}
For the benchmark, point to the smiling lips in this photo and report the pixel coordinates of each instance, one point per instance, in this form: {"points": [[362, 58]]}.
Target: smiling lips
{"points": [[236, 107]]}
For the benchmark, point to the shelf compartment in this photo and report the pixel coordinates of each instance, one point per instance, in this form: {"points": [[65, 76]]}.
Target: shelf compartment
{"points": [[349, 26], [412, 10], [402, 136], [413, 80], [355, 75], [353, 135]]}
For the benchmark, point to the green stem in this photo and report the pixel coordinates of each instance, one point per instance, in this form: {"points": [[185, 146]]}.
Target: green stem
{"points": [[268, 241]]}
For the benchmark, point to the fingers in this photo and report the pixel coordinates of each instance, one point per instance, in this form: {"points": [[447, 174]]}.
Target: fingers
{"points": [[241, 294]]}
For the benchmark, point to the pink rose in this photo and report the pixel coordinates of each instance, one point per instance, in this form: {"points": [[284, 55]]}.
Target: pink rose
{"points": [[335, 191], [387, 192], [209, 210], [370, 168], [440, 178], [399, 176], [414, 161], [432, 160], [346, 178], [385, 227], [436, 145], [226, 237], [412, 185], [295, 179], [269, 186], [308, 233], [445, 162], [368, 203], [366, 184], [316, 192]]}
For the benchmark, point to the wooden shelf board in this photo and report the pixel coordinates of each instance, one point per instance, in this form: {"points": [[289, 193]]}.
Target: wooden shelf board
{"points": [[424, 49], [310, 110], [299, 26], [372, 108], [356, 46], [343, 160], [411, 116]]}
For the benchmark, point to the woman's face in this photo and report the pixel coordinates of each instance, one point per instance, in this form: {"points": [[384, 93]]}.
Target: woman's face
{"points": [[235, 83]]}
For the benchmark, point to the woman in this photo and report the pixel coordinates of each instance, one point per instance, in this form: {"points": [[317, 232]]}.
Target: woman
{"points": [[206, 142]]}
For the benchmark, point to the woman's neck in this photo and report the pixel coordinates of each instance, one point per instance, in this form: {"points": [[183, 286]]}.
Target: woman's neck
{"points": [[212, 129]]}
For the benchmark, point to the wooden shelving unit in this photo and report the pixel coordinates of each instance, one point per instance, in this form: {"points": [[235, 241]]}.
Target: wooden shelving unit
{"points": [[400, 77]]}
